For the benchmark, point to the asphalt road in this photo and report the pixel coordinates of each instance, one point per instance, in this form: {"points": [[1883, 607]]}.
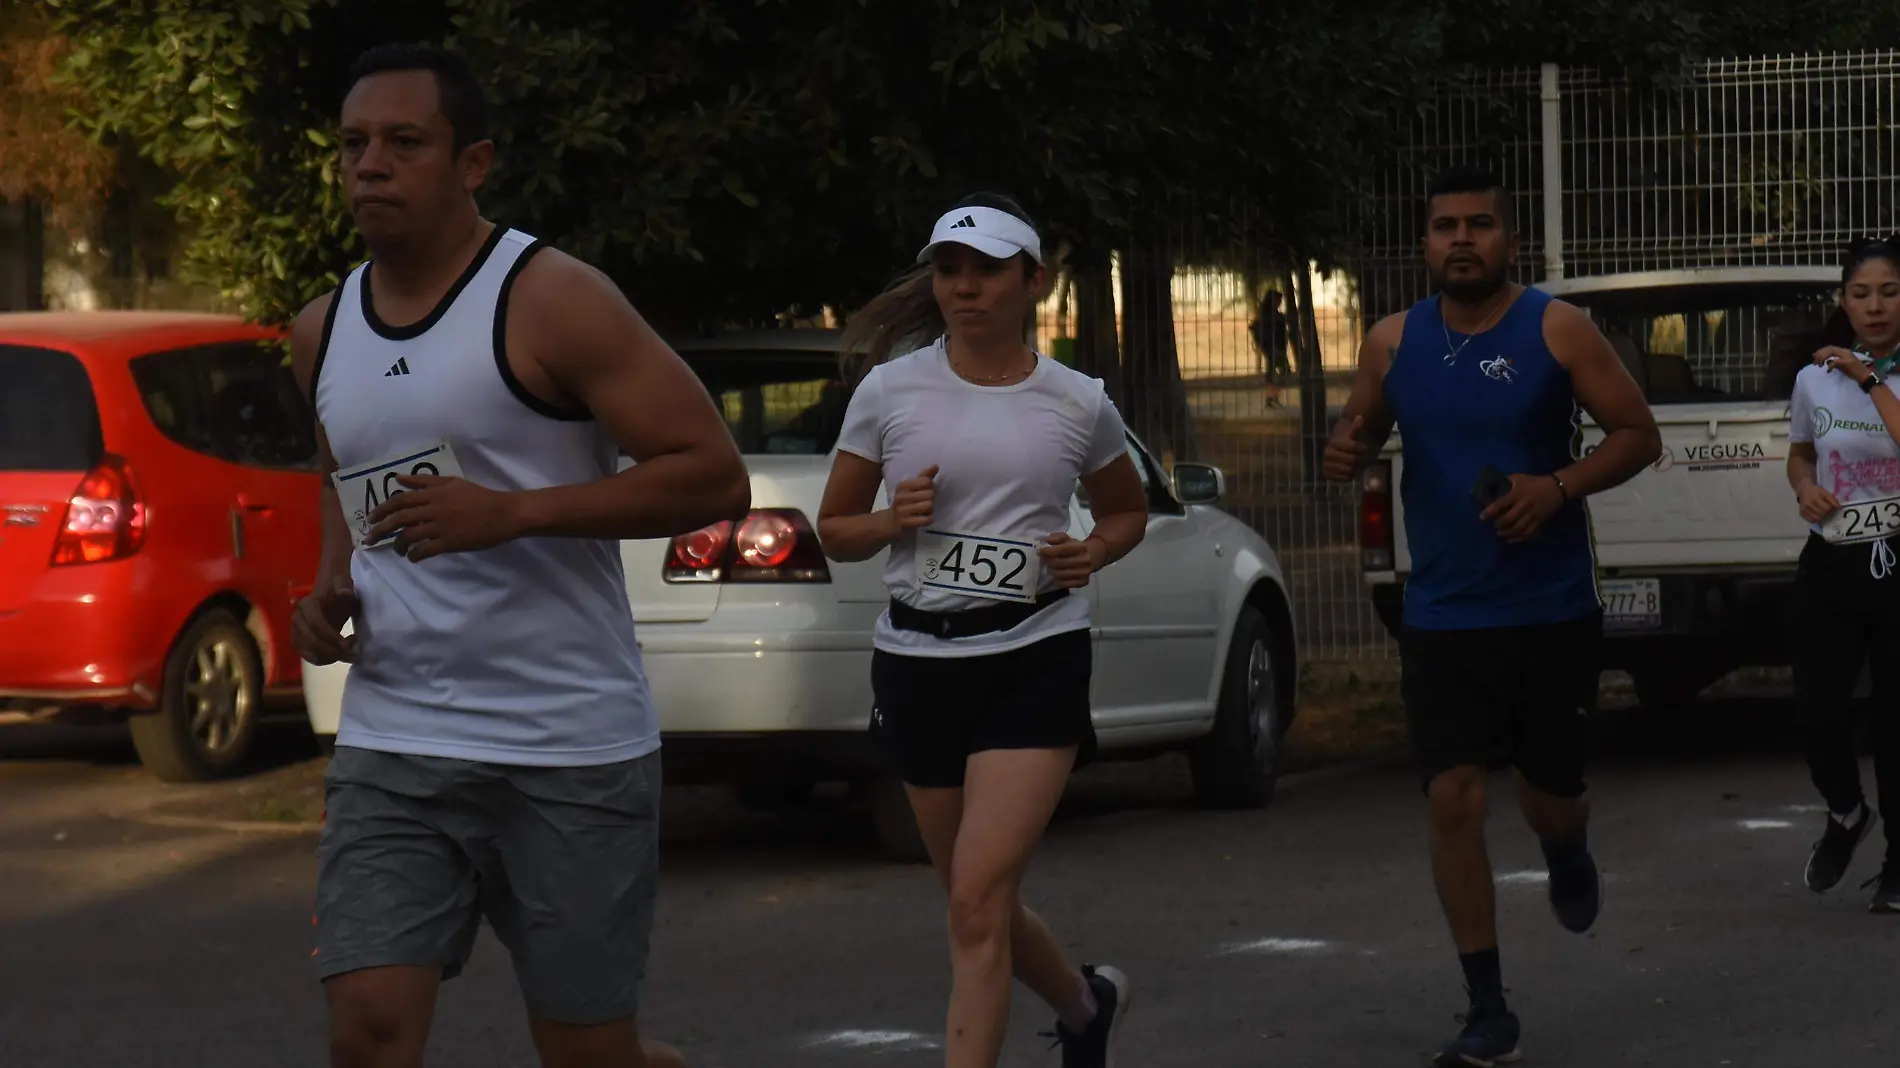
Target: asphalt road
{"points": [[1300, 935]]}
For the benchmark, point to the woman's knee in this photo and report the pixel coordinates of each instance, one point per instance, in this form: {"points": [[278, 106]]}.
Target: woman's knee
{"points": [[982, 912]]}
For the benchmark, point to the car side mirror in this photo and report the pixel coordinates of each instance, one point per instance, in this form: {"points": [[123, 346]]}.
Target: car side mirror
{"points": [[1199, 483]]}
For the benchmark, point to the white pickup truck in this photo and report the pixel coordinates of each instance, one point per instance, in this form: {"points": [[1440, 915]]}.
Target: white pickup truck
{"points": [[1696, 555]]}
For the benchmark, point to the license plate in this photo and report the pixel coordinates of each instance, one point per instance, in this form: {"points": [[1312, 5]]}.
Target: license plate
{"points": [[1630, 604], [364, 487], [1863, 521], [997, 569]]}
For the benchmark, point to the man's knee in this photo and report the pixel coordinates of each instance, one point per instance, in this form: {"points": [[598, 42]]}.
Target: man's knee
{"points": [[1457, 799], [378, 1019]]}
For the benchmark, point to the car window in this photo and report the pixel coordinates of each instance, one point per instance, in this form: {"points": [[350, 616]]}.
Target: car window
{"points": [[1159, 488], [235, 402], [776, 403], [49, 419]]}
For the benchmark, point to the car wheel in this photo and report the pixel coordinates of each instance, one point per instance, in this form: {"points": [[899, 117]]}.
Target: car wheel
{"points": [[1237, 764], [893, 822], [209, 702]]}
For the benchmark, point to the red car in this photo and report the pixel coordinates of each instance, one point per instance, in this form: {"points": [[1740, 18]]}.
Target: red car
{"points": [[158, 520]]}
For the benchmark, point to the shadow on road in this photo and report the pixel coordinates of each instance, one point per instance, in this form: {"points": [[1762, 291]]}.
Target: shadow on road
{"points": [[281, 741]]}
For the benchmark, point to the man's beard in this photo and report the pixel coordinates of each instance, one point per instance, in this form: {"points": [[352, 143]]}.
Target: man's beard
{"points": [[1473, 290]]}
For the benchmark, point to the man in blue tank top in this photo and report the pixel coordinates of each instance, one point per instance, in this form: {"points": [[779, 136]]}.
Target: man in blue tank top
{"points": [[1487, 382]]}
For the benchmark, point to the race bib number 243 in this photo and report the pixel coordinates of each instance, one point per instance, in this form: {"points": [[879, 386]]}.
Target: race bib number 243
{"points": [[999, 569], [1863, 521], [365, 486]]}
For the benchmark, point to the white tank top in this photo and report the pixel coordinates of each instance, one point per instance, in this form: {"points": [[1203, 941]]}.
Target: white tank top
{"points": [[520, 654]]}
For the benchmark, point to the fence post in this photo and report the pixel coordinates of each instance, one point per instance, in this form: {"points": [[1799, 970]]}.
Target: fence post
{"points": [[1553, 134]]}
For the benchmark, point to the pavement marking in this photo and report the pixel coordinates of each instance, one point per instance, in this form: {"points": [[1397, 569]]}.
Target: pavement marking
{"points": [[1804, 808], [875, 1041], [1525, 877], [1278, 945], [1763, 825]]}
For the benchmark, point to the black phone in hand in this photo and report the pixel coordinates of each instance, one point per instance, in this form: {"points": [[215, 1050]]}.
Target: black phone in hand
{"points": [[1491, 485]]}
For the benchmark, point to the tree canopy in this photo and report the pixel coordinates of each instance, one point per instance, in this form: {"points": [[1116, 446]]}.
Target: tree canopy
{"points": [[729, 161]]}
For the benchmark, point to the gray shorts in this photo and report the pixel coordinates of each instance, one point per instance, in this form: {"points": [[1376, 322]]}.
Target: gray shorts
{"points": [[563, 862]]}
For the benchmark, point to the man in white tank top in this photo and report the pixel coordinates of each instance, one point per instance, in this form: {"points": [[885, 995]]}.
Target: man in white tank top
{"points": [[498, 755]]}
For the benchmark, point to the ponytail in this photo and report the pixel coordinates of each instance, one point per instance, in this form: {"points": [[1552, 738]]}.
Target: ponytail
{"points": [[902, 318], [1795, 350]]}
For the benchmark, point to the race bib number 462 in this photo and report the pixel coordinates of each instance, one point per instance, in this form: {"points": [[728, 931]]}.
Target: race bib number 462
{"points": [[999, 569], [1863, 521], [365, 486]]}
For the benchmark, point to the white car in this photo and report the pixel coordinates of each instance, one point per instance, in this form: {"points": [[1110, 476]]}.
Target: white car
{"points": [[758, 648]]}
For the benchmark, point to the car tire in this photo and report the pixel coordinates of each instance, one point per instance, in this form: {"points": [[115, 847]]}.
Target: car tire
{"points": [[209, 703], [893, 822], [1237, 765]]}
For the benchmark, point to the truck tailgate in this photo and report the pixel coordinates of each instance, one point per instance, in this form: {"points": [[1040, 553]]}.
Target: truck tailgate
{"points": [[1717, 497]]}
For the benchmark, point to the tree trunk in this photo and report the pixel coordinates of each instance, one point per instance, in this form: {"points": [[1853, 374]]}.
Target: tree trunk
{"points": [[1156, 404], [1312, 375], [1097, 348]]}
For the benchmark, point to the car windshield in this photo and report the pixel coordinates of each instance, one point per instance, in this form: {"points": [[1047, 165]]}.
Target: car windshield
{"points": [[776, 403], [49, 420]]}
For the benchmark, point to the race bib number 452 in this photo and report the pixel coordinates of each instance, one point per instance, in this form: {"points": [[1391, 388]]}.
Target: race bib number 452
{"points": [[365, 486], [1863, 521], [999, 569]]}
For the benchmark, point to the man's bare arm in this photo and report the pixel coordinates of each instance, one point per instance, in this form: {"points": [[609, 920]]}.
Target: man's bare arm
{"points": [[1366, 423], [596, 349], [306, 337], [1604, 389]]}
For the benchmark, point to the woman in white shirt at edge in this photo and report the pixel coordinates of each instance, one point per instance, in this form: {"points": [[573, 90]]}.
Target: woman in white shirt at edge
{"points": [[1844, 465], [982, 661]]}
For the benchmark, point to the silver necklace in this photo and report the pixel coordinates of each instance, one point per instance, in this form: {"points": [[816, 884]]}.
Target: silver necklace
{"points": [[1451, 354]]}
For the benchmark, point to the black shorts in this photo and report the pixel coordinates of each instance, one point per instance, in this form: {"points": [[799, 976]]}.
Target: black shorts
{"points": [[933, 712], [1513, 695]]}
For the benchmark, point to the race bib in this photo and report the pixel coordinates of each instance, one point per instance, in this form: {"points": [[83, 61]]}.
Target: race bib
{"points": [[1863, 521], [999, 569], [364, 487]]}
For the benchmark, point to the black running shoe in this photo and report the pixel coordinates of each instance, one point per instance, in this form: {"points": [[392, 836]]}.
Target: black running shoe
{"points": [[1886, 887], [1489, 1039], [1835, 851], [1090, 1047], [1576, 892]]}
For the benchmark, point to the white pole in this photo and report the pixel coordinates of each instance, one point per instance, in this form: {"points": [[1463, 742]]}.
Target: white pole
{"points": [[1553, 174]]}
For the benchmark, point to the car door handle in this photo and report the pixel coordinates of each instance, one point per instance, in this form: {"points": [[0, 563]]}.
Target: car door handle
{"points": [[254, 506]]}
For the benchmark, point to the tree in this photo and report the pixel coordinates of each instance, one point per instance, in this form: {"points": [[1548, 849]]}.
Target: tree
{"points": [[41, 155]]}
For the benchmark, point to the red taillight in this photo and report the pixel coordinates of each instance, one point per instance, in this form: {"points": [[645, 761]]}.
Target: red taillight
{"points": [[768, 545], [1375, 518], [105, 519]]}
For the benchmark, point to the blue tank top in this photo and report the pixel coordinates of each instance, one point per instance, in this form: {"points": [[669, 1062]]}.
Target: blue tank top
{"points": [[1507, 402]]}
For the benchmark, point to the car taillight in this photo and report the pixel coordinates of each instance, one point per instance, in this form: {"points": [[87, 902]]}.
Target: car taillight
{"points": [[1375, 518], [105, 519], [768, 545]]}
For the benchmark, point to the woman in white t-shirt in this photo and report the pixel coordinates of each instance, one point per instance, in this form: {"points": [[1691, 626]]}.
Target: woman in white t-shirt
{"points": [[1844, 465], [983, 658]]}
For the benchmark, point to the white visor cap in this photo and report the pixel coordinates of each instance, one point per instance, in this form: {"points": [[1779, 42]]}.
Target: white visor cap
{"points": [[994, 233]]}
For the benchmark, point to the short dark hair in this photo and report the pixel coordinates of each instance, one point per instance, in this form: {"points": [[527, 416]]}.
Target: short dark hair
{"points": [[1862, 249], [1470, 179], [458, 91]]}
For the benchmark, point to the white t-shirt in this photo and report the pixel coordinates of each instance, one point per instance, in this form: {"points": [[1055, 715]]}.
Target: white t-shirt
{"points": [[1007, 457], [1855, 458]]}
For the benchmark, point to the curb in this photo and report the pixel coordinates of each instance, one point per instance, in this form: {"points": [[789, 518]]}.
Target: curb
{"points": [[194, 823]]}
